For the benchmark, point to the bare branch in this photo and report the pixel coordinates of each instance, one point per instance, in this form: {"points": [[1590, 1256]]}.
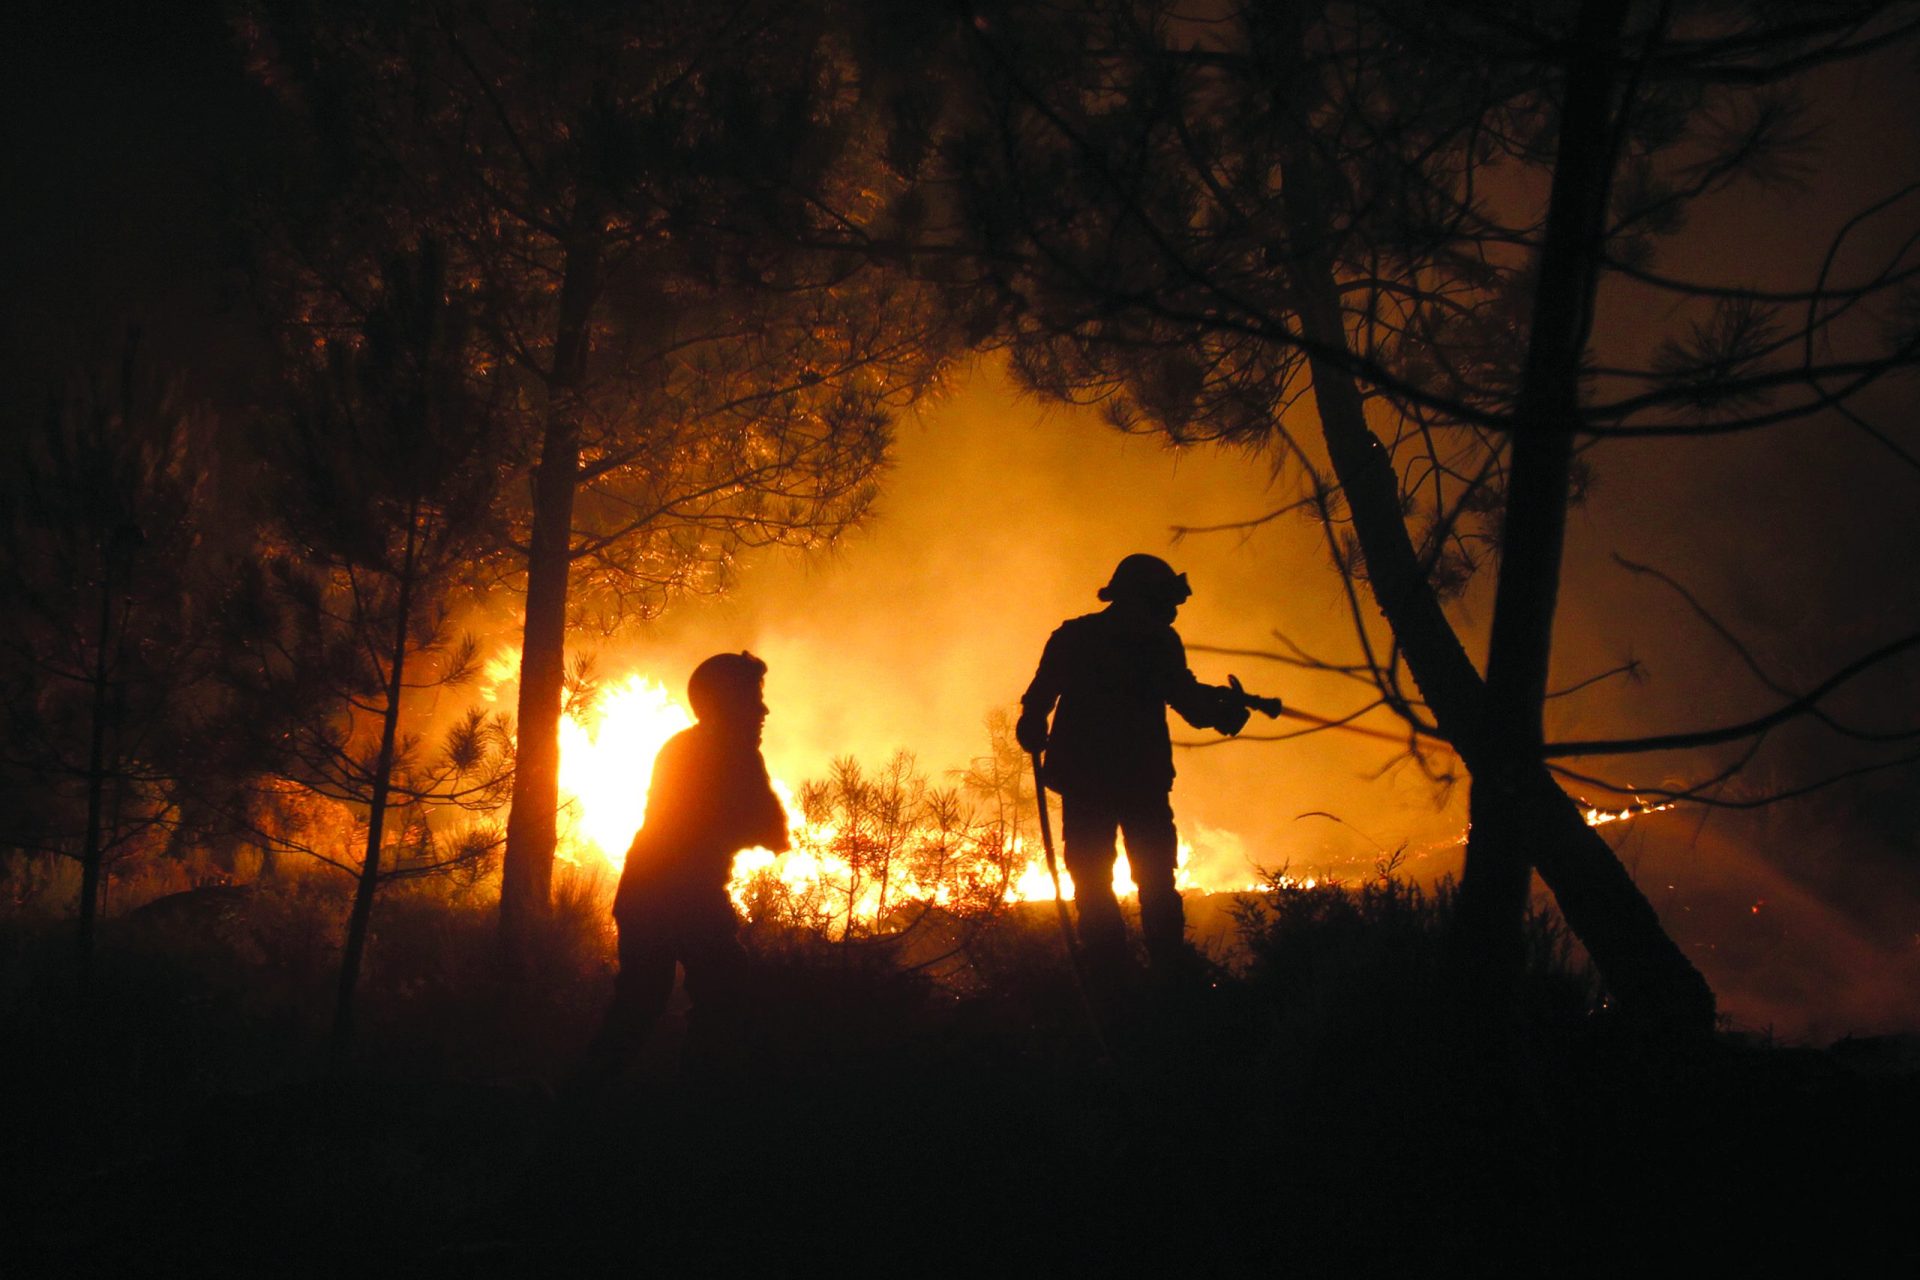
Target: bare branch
{"points": [[1801, 706]]}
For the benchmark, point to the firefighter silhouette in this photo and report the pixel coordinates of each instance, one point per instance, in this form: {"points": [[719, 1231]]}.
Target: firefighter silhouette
{"points": [[1107, 680], [710, 798]]}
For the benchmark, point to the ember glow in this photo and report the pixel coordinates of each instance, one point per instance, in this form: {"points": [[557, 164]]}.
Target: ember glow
{"points": [[1601, 817]]}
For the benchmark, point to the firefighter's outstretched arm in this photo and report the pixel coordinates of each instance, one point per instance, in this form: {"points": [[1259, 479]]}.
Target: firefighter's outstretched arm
{"points": [[1204, 706], [1227, 708], [1212, 706]]}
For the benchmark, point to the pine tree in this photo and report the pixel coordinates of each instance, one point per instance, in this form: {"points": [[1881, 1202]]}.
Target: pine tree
{"points": [[387, 477], [109, 575], [639, 196]]}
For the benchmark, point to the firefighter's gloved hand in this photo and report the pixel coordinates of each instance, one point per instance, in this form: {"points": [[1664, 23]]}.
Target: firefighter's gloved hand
{"points": [[1031, 732], [1225, 709]]}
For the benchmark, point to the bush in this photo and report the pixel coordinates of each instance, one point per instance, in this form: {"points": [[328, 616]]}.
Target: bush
{"points": [[1352, 978]]}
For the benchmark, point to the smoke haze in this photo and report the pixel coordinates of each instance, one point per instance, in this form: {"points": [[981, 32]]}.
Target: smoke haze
{"points": [[1003, 515]]}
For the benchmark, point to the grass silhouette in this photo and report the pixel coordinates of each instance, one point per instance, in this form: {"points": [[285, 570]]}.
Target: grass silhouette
{"points": [[1303, 1104]]}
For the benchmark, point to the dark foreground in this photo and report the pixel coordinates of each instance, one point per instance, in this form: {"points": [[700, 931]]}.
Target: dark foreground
{"points": [[1308, 1114]]}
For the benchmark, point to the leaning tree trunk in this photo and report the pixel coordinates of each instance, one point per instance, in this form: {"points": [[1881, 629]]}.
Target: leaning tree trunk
{"points": [[526, 888], [1649, 976]]}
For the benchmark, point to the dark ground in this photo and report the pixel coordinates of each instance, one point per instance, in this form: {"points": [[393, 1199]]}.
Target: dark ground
{"points": [[1308, 1114]]}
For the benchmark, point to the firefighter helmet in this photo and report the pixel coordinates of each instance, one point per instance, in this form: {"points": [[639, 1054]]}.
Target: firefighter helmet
{"points": [[1148, 578]]}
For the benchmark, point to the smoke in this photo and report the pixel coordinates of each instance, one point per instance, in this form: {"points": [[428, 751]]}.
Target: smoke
{"points": [[1000, 519], [1002, 516]]}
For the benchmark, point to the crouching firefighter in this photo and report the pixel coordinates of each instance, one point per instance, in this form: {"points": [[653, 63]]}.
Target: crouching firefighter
{"points": [[710, 798], [1107, 680]]}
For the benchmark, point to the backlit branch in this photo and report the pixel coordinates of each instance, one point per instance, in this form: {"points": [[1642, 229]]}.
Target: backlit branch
{"points": [[1805, 705]]}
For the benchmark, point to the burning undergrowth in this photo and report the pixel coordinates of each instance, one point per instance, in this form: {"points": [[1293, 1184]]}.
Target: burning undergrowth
{"points": [[876, 850]]}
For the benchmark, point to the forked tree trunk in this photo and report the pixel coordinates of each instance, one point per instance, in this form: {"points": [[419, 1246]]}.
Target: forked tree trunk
{"points": [[1647, 974]]}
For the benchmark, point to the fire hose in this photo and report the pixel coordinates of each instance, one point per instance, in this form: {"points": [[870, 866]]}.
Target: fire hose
{"points": [[1067, 938], [1272, 709], [1053, 866]]}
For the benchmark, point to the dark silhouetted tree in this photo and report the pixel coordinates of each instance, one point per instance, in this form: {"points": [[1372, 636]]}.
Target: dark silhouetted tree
{"points": [[386, 480], [108, 574], [1390, 224]]}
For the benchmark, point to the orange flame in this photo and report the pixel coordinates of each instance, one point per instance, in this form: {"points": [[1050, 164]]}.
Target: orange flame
{"points": [[606, 764]]}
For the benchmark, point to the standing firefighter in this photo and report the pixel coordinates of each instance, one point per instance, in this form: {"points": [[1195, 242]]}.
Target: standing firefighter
{"points": [[710, 799], [1108, 678]]}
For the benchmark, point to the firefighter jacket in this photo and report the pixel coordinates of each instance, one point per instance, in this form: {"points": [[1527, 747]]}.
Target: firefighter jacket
{"points": [[710, 798], [1113, 679]]}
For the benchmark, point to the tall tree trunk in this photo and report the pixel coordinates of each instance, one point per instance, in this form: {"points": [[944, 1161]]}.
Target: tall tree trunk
{"points": [[1499, 867], [361, 915], [1649, 976], [527, 876]]}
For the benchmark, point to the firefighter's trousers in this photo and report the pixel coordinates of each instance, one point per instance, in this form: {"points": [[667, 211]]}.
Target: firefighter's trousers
{"points": [[697, 929], [1088, 824]]}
